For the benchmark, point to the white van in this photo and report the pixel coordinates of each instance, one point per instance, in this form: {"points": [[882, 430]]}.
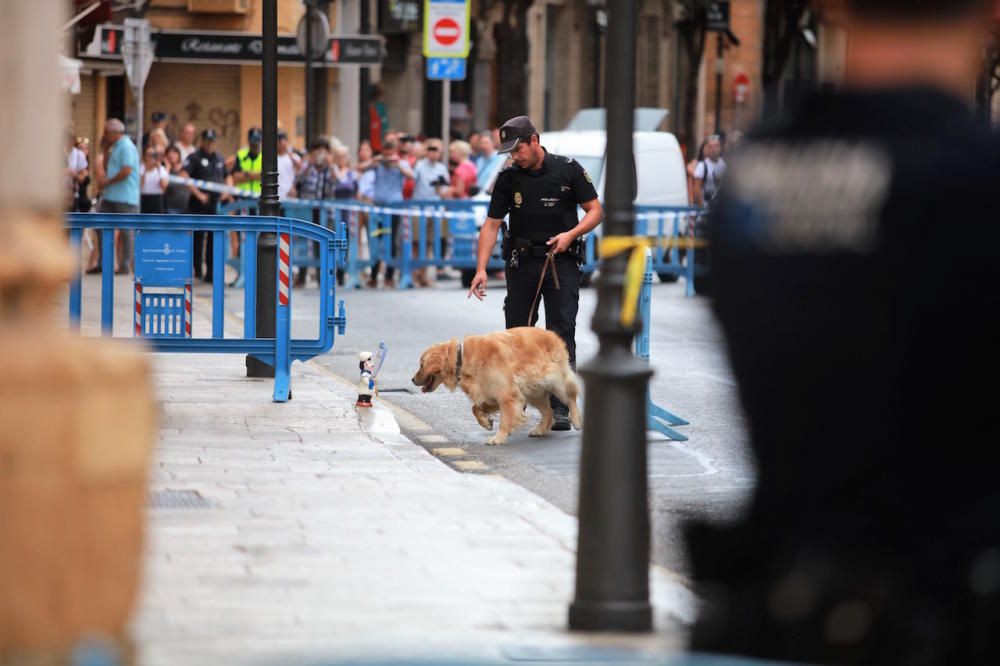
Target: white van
{"points": [[661, 176], [659, 165]]}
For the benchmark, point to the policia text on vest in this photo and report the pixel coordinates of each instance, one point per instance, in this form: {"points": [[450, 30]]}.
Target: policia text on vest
{"points": [[540, 192]]}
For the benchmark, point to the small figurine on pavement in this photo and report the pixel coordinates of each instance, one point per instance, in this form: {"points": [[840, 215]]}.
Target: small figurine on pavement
{"points": [[366, 384]]}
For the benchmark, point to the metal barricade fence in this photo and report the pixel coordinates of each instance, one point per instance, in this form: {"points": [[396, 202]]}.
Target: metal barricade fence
{"points": [[411, 235], [278, 352], [658, 418], [675, 232]]}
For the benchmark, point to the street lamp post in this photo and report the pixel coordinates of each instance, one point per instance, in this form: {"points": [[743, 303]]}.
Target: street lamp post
{"points": [[364, 78], [310, 81], [612, 565], [267, 244]]}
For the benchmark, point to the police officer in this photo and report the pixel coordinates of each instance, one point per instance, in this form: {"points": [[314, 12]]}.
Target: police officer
{"points": [[544, 242], [248, 163], [208, 165], [855, 277]]}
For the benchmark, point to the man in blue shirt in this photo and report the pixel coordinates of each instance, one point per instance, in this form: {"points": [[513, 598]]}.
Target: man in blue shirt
{"points": [[119, 185], [488, 162], [390, 171]]}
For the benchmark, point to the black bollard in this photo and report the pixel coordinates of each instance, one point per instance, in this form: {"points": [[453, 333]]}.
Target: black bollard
{"points": [[267, 244], [267, 296], [612, 560]]}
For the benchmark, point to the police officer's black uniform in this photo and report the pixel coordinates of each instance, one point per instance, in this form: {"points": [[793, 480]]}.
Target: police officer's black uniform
{"points": [[855, 276], [208, 166], [541, 204]]}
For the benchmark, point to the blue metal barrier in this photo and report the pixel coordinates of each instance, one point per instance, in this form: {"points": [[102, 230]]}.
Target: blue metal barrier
{"points": [[658, 418], [423, 226], [673, 228], [429, 234], [278, 352]]}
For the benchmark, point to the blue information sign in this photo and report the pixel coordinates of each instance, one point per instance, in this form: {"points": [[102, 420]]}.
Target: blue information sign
{"points": [[163, 258], [446, 69]]}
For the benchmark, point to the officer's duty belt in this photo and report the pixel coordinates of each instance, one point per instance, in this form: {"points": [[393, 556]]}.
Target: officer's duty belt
{"points": [[527, 248]]}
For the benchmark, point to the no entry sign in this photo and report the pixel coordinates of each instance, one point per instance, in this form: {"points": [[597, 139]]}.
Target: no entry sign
{"points": [[446, 32], [741, 88], [446, 28]]}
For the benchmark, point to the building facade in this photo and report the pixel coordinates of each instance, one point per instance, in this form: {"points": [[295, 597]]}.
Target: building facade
{"points": [[203, 85], [543, 58]]}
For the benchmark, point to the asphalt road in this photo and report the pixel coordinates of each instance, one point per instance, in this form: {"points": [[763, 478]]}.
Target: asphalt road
{"points": [[708, 476]]}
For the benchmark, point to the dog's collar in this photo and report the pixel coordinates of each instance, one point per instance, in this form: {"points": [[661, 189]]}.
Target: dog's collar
{"points": [[458, 362]]}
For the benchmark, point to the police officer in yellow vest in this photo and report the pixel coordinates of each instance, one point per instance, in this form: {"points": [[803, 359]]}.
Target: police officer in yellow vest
{"points": [[249, 163]]}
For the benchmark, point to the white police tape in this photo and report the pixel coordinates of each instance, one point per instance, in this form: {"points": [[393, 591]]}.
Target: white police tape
{"points": [[209, 186], [426, 210]]}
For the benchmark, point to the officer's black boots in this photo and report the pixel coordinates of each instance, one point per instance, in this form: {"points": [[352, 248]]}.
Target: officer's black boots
{"points": [[561, 419]]}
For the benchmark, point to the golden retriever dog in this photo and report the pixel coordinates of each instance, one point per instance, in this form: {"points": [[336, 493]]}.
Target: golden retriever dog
{"points": [[502, 372]]}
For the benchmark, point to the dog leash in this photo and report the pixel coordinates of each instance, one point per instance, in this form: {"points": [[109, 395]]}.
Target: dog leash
{"points": [[550, 259]]}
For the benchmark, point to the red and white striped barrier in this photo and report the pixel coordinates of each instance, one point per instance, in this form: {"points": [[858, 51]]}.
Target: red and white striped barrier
{"points": [[138, 309], [284, 252], [187, 310]]}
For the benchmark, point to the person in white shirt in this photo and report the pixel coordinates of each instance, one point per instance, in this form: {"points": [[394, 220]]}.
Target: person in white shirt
{"points": [[366, 192], [76, 169], [709, 173], [153, 181], [185, 142], [289, 164]]}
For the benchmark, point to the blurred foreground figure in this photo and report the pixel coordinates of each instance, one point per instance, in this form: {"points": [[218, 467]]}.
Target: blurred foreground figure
{"points": [[855, 269]]}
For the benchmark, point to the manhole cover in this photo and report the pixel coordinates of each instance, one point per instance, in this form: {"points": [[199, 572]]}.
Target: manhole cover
{"points": [[176, 499]]}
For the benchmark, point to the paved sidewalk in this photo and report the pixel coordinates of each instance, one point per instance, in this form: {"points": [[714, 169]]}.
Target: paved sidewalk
{"points": [[314, 532], [328, 535]]}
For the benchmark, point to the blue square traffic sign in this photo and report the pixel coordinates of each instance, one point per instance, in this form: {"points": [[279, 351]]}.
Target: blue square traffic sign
{"points": [[446, 69]]}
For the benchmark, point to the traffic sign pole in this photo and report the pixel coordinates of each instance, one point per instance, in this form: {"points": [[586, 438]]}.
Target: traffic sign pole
{"points": [[446, 114], [446, 40], [137, 55]]}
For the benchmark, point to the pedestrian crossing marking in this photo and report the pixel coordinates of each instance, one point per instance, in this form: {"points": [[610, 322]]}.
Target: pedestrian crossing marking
{"points": [[469, 465], [449, 452]]}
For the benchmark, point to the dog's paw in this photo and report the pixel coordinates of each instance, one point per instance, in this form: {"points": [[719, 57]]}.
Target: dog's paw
{"points": [[495, 440], [487, 423], [538, 431]]}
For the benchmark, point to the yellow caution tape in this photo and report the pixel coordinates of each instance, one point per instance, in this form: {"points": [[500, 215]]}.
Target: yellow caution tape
{"points": [[380, 232], [685, 242], [614, 245]]}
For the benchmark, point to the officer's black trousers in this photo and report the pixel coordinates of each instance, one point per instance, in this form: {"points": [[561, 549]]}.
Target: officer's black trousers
{"points": [[561, 304]]}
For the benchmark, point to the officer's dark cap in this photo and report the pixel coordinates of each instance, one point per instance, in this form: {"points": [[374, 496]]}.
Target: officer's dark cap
{"points": [[515, 130], [159, 116], [254, 135], [208, 135]]}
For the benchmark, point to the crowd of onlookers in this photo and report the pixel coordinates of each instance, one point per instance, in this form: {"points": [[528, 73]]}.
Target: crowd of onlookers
{"points": [[115, 176]]}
